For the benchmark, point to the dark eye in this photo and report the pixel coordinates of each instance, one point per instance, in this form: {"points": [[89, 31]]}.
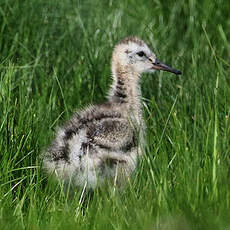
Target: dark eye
{"points": [[141, 54]]}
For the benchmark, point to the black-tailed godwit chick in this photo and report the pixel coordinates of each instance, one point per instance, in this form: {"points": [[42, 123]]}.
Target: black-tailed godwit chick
{"points": [[103, 142]]}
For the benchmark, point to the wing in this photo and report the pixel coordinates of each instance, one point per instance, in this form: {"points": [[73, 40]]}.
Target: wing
{"points": [[112, 133]]}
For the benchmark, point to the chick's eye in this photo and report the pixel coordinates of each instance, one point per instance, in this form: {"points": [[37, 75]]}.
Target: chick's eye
{"points": [[141, 54]]}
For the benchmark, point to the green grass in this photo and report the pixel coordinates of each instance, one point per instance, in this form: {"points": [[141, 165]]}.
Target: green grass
{"points": [[55, 58]]}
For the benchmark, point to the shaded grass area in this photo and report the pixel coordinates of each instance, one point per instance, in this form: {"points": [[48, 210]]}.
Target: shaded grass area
{"points": [[55, 58]]}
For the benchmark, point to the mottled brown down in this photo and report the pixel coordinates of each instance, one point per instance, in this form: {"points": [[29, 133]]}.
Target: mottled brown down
{"points": [[103, 142]]}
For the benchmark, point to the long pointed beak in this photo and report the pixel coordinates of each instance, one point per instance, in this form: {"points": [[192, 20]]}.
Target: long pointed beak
{"points": [[161, 66]]}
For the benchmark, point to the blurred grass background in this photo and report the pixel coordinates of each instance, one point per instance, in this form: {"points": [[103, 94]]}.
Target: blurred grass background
{"points": [[55, 58]]}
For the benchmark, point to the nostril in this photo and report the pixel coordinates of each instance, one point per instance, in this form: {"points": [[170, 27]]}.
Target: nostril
{"points": [[153, 60]]}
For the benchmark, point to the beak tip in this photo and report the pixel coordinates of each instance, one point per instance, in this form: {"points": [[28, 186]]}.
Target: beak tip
{"points": [[161, 66], [178, 72]]}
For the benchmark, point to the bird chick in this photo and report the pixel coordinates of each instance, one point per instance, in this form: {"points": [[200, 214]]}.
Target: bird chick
{"points": [[103, 142]]}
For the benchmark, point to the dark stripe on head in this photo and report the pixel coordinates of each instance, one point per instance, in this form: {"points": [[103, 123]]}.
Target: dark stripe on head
{"points": [[136, 40]]}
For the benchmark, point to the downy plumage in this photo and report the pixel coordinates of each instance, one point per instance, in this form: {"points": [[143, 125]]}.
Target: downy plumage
{"points": [[103, 142]]}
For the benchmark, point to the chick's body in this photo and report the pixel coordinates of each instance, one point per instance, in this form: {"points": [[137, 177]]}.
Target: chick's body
{"points": [[103, 142]]}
